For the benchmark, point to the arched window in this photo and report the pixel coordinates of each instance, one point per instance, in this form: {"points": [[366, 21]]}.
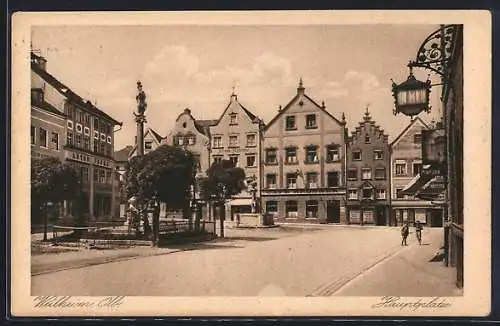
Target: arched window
{"points": [[291, 208]]}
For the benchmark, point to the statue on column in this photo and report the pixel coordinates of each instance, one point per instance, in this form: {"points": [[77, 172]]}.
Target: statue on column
{"points": [[141, 99]]}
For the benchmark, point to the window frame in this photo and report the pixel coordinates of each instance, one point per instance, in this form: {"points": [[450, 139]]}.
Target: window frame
{"points": [[380, 169], [254, 143], [254, 160], [40, 139], [271, 176], [310, 175], [237, 141], [275, 152], [56, 143], [292, 117], [314, 120], [365, 170], [352, 170], [291, 176], [329, 150], [405, 169], [217, 142], [377, 151], [352, 191], [328, 174], [358, 151], [295, 160]]}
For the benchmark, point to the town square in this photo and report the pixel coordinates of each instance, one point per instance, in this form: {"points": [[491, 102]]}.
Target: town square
{"points": [[302, 161]]}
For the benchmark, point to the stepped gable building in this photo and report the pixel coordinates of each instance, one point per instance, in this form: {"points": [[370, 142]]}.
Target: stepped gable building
{"points": [[367, 174], [303, 163], [86, 141], [237, 136], [406, 169]]}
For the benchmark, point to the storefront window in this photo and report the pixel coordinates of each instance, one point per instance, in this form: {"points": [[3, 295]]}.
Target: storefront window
{"points": [[291, 208], [311, 209]]}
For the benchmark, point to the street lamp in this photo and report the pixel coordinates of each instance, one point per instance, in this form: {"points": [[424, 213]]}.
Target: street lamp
{"points": [[411, 97]]}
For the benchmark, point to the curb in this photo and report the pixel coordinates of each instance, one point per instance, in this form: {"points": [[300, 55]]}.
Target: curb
{"points": [[93, 262]]}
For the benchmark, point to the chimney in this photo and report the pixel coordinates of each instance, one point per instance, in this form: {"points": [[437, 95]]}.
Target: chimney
{"points": [[40, 61]]}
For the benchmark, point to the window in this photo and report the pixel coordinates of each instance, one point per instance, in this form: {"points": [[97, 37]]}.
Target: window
{"points": [[36, 96], [271, 181], [356, 155], [291, 208], [96, 134], [78, 140], [102, 176], [332, 153], [311, 209], [87, 119], [367, 139], [291, 180], [380, 193], [290, 123], [271, 206], [417, 168], [101, 148], [33, 135], [180, 140], [250, 140], [251, 160], [95, 174], [311, 121], [378, 154], [42, 136], [312, 154], [353, 194], [69, 124], [217, 159], [399, 193], [333, 179], [271, 156], [291, 155], [400, 168], [108, 150], [380, 173], [367, 193], [96, 146], [234, 160], [85, 174], [191, 140], [233, 141], [352, 174], [217, 141], [367, 173], [69, 138], [312, 180], [55, 141], [148, 144], [233, 119], [86, 143], [417, 138]]}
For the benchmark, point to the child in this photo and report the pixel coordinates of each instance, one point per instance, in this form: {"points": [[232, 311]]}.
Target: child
{"points": [[404, 233]]}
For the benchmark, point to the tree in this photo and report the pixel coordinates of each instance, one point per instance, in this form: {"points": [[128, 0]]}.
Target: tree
{"points": [[163, 175], [52, 181], [223, 181]]}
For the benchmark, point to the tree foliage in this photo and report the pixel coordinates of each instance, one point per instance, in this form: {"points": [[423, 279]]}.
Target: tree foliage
{"points": [[166, 173], [52, 180], [223, 181]]}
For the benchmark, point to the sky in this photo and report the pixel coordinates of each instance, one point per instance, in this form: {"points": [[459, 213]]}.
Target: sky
{"points": [[349, 67]]}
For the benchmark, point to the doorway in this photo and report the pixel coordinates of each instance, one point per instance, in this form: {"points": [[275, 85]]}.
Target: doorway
{"points": [[333, 211]]}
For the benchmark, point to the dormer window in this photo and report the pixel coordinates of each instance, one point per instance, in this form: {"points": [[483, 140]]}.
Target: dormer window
{"points": [[367, 139], [233, 118]]}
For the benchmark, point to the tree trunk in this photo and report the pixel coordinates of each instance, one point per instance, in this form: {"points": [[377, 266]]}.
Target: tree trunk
{"points": [[156, 226], [221, 219], [45, 220]]}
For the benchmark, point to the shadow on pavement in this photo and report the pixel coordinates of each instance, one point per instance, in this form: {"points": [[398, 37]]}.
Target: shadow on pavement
{"points": [[438, 257], [243, 238], [200, 246]]}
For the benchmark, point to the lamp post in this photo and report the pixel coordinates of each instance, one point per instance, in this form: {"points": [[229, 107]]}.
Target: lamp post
{"points": [[412, 96], [47, 213]]}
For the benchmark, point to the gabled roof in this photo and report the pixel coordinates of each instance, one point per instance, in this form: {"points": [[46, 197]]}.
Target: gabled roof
{"points": [[66, 91], [234, 99], [367, 119], [201, 125], [45, 106], [293, 100], [155, 134], [405, 130], [123, 154]]}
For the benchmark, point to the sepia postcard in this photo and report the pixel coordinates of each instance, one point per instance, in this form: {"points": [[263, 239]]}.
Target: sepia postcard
{"points": [[265, 163]]}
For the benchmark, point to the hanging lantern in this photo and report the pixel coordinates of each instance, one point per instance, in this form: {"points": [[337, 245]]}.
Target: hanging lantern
{"points": [[412, 96]]}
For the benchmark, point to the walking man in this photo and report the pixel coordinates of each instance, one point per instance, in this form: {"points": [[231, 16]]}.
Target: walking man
{"points": [[418, 231], [405, 230]]}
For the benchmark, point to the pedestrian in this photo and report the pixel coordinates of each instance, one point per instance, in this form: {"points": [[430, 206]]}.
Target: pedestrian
{"points": [[405, 230], [418, 231]]}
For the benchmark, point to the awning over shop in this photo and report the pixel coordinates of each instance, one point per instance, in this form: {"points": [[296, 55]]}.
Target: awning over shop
{"points": [[433, 189], [396, 203], [416, 184], [241, 202]]}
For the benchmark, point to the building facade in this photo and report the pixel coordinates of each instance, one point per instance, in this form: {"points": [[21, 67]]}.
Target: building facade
{"points": [[302, 158], [367, 174], [152, 140], [406, 170], [237, 136], [88, 142]]}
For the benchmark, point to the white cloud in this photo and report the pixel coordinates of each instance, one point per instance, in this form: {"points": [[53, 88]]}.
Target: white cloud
{"points": [[368, 80], [174, 62]]}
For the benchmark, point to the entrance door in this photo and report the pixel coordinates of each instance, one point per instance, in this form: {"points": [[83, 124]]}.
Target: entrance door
{"points": [[333, 211], [380, 216]]}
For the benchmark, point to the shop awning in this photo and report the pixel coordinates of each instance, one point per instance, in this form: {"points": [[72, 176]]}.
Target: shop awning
{"points": [[433, 189], [241, 202], [416, 184]]}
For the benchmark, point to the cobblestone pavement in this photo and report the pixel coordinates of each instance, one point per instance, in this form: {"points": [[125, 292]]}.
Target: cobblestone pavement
{"points": [[284, 261]]}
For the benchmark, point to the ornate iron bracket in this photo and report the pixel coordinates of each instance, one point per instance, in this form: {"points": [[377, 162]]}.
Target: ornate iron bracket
{"points": [[436, 51]]}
